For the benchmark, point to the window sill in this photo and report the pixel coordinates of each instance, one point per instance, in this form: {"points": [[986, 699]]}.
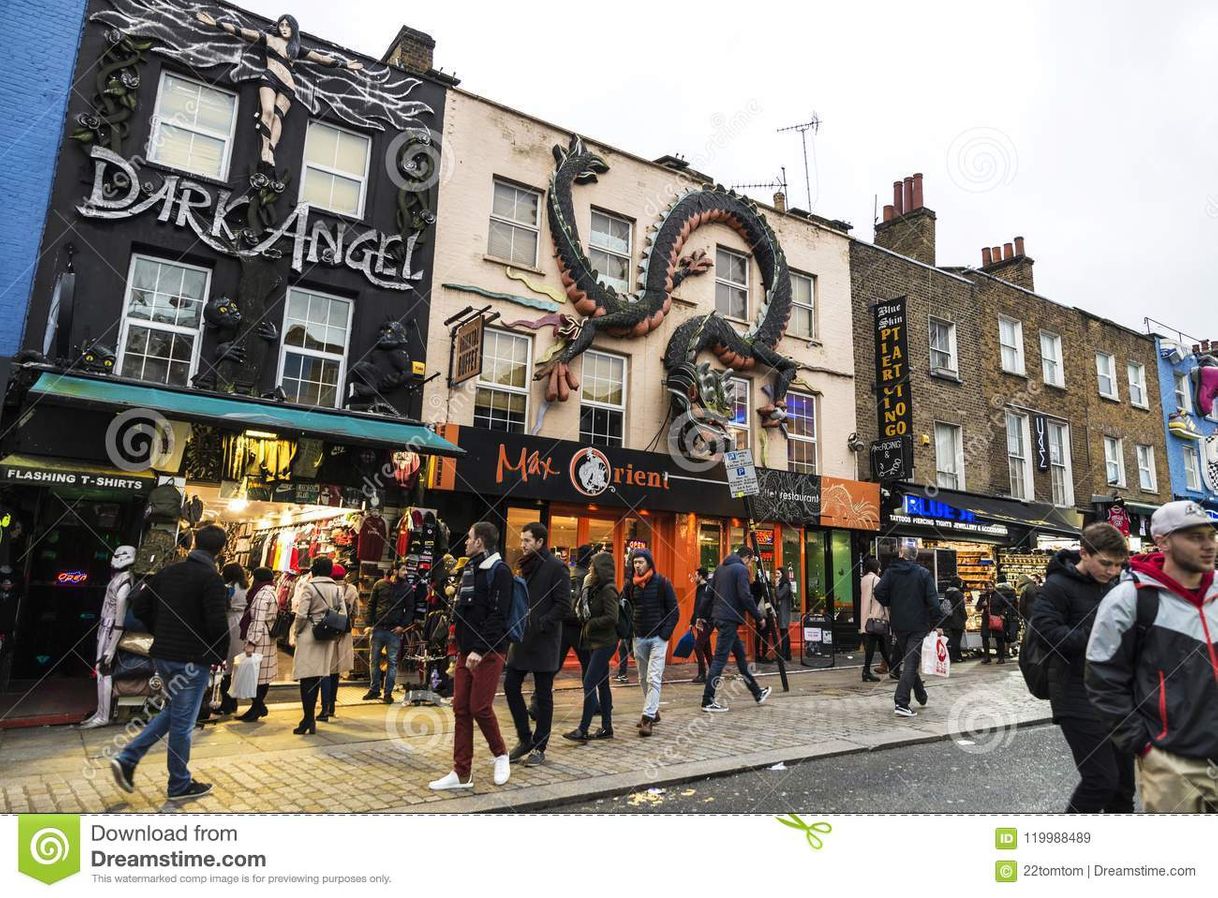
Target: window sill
{"points": [[945, 374], [811, 341], [495, 260], [341, 216], [735, 320], [1061, 387], [165, 169], [1023, 374], [1114, 399], [1140, 405]]}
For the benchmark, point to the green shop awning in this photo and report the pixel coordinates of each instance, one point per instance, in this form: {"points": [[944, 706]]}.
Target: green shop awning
{"points": [[245, 412]]}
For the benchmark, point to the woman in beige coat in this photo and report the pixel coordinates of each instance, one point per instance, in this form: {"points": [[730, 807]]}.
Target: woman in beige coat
{"points": [[314, 658], [870, 609], [263, 608], [344, 651]]}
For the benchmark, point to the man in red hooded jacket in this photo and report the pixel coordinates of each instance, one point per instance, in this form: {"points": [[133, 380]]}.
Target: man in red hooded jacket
{"points": [[1152, 663]]}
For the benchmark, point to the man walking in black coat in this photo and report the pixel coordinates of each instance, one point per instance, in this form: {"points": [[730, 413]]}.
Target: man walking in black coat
{"points": [[538, 653], [908, 591], [733, 602], [184, 608], [1062, 617]]}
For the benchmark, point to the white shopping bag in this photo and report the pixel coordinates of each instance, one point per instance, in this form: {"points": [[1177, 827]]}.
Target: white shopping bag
{"points": [[244, 683], [935, 662]]}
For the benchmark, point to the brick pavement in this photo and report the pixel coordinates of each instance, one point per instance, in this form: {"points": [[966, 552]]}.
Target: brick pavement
{"points": [[374, 757]]}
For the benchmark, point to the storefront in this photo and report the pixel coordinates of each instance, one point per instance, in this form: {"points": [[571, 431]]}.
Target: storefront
{"points": [[621, 499], [86, 460]]}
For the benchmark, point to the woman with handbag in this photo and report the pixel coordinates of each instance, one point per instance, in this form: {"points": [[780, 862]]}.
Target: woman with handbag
{"points": [[600, 637], [320, 619], [260, 621], [991, 605], [875, 619], [344, 653]]}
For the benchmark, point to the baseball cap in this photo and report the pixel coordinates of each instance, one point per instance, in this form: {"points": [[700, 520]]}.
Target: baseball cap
{"points": [[1178, 516]]}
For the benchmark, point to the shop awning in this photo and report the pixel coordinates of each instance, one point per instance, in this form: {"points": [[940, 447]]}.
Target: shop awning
{"points": [[209, 408], [1035, 515]]}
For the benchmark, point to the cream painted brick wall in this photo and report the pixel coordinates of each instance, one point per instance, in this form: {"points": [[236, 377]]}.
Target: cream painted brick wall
{"points": [[483, 141]]}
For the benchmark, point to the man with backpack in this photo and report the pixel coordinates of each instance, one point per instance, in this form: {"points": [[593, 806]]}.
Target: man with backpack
{"points": [[390, 612], [549, 588], [733, 602], [655, 617], [1152, 665], [483, 611], [1061, 620], [908, 591]]}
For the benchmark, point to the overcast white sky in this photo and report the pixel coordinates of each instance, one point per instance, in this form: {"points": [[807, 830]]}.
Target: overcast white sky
{"points": [[1090, 129]]}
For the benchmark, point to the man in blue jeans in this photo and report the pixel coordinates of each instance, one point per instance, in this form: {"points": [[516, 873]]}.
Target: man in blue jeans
{"points": [[390, 612], [183, 607], [733, 602]]}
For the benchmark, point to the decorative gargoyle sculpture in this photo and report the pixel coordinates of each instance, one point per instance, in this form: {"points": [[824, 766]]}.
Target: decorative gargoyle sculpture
{"points": [[387, 368], [222, 316]]}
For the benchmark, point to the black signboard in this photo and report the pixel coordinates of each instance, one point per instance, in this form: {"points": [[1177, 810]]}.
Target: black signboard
{"points": [[529, 467], [787, 498], [894, 411], [1040, 441], [892, 459]]}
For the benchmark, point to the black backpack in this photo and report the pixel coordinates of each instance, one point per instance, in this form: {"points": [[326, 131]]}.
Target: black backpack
{"points": [[625, 616]]}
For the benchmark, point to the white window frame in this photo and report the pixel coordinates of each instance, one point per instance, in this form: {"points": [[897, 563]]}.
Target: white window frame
{"points": [[195, 333], [1025, 438], [1146, 472], [591, 403], [285, 347], [1059, 360], [734, 285], [511, 222], [1183, 389], [957, 457], [1066, 465], [1192, 467], [480, 384], [811, 279], [953, 366], [628, 255], [1140, 385], [1017, 347], [1117, 458], [1111, 375], [325, 169], [747, 427], [154, 135], [814, 440]]}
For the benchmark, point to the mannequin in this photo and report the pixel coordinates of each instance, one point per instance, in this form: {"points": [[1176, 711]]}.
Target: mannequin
{"points": [[109, 632]]}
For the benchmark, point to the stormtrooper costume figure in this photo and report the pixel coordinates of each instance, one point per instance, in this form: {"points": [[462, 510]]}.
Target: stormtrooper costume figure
{"points": [[109, 631]]}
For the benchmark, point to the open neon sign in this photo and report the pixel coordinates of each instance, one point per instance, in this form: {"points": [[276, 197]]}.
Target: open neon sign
{"points": [[71, 578]]}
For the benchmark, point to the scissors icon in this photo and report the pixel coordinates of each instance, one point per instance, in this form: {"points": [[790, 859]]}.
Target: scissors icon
{"points": [[809, 830]]}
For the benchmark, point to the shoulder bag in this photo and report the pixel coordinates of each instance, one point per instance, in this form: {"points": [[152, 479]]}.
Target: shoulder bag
{"points": [[333, 623]]}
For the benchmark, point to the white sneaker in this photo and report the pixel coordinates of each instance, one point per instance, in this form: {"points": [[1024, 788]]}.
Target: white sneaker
{"points": [[503, 769], [904, 711], [93, 723], [450, 781]]}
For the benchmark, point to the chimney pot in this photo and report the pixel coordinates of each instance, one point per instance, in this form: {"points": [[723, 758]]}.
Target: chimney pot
{"points": [[898, 198], [780, 201], [889, 212], [1019, 246], [1008, 251], [909, 200], [917, 190], [986, 257]]}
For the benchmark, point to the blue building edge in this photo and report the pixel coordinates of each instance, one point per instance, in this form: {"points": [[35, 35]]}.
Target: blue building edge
{"points": [[1192, 438], [37, 59]]}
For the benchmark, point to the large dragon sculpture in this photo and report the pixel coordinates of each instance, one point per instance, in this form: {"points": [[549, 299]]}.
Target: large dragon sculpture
{"points": [[700, 403]]}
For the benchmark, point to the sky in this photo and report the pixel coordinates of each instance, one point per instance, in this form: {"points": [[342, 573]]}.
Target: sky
{"points": [[1089, 129]]}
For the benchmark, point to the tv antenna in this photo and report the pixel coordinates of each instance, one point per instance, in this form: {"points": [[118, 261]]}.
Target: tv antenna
{"points": [[803, 128], [780, 183]]}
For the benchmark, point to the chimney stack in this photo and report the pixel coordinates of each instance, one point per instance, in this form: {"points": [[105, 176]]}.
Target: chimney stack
{"points": [[1009, 262], [908, 226], [411, 50], [780, 201]]}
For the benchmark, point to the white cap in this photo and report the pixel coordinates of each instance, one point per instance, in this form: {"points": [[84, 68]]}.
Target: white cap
{"points": [[1178, 516]]}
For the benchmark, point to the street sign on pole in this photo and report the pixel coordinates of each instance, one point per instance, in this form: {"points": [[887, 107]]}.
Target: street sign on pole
{"points": [[741, 474]]}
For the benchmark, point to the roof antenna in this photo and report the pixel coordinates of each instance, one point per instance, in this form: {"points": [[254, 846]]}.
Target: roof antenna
{"points": [[812, 125]]}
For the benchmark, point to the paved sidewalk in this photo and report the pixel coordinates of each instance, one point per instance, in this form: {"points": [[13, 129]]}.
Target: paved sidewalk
{"points": [[374, 757]]}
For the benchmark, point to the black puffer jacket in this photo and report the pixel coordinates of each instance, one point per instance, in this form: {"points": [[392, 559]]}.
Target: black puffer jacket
{"points": [[655, 607], [733, 596], [908, 591], [184, 606], [1062, 616]]}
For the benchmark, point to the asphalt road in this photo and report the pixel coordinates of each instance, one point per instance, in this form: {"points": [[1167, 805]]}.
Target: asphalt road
{"points": [[1028, 770]]}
